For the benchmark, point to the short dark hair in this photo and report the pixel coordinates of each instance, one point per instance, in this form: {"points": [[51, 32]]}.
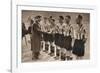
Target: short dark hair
{"points": [[50, 16], [80, 16], [68, 16], [61, 17], [38, 16], [53, 20]]}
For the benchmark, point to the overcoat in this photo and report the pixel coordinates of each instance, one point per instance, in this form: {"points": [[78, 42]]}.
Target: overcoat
{"points": [[36, 38]]}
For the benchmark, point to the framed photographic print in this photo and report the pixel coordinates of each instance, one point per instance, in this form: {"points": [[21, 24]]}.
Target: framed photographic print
{"points": [[52, 36]]}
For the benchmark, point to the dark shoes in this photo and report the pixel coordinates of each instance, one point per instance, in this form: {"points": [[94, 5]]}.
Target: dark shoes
{"points": [[69, 58]]}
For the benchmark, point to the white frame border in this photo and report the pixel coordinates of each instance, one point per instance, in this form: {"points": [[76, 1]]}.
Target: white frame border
{"points": [[17, 66]]}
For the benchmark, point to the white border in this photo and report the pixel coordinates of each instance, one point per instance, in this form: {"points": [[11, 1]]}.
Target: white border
{"points": [[17, 66]]}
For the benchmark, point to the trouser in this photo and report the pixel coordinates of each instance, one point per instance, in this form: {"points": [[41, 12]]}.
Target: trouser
{"points": [[36, 55]]}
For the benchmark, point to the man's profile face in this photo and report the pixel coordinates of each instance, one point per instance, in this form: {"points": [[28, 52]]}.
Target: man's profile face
{"points": [[39, 19], [78, 21], [67, 20], [60, 20]]}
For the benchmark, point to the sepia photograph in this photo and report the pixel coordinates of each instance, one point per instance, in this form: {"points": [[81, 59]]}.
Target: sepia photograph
{"points": [[48, 36]]}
